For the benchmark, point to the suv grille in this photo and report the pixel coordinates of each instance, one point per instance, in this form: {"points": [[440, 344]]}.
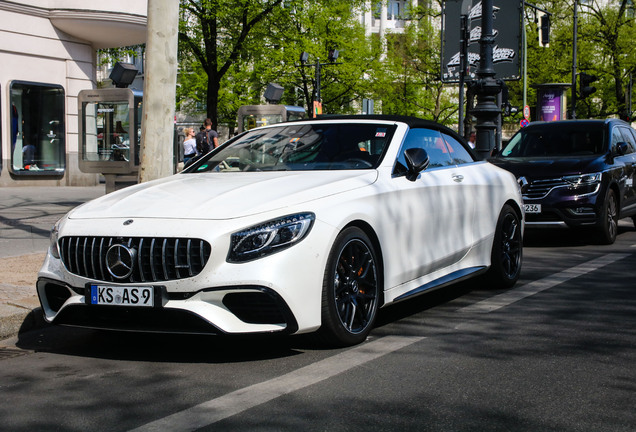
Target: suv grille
{"points": [[157, 259], [541, 188]]}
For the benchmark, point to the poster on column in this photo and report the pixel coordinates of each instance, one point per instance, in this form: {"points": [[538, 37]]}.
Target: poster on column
{"points": [[550, 107], [506, 30]]}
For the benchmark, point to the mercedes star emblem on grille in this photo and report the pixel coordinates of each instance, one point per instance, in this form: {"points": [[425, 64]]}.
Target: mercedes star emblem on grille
{"points": [[120, 260]]}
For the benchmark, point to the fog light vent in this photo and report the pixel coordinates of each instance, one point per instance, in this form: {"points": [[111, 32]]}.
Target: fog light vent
{"points": [[56, 295], [254, 308]]}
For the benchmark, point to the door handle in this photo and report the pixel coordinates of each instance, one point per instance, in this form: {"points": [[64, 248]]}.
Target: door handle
{"points": [[458, 178]]}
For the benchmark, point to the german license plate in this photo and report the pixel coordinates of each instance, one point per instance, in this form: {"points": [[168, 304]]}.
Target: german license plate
{"points": [[121, 296], [532, 208]]}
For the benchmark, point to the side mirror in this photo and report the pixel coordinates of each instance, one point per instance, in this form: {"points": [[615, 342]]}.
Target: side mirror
{"points": [[621, 148], [417, 160]]}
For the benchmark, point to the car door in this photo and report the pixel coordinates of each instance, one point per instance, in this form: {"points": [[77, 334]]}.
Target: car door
{"points": [[629, 161], [471, 177], [431, 210]]}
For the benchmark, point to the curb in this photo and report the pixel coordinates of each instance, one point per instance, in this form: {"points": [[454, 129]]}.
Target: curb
{"points": [[16, 319]]}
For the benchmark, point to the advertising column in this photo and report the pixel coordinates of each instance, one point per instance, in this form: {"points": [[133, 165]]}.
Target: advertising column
{"points": [[551, 102]]}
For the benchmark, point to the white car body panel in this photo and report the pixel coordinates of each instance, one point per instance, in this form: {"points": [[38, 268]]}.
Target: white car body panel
{"points": [[217, 196]]}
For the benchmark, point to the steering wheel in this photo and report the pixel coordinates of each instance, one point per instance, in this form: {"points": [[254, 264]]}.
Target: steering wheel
{"points": [[359, 160]]}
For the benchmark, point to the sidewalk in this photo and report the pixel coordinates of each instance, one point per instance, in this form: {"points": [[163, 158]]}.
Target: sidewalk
{"points": [[26, 217]]}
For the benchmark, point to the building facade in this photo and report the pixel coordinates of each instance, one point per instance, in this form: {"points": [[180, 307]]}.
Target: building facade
{"points": [[47, 56]]}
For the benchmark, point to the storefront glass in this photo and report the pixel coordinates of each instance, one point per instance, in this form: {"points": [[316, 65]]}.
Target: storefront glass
{"points": [[38, 143]]}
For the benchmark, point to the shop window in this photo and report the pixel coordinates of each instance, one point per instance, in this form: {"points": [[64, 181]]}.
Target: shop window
{"points": [[38, 144]]}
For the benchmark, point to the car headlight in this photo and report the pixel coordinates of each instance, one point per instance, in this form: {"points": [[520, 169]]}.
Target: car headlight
{"points": [[583, 179], [54, 237], [269, 237]]}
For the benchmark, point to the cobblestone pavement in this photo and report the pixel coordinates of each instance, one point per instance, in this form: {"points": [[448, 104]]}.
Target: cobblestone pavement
{"points": [[26, 217]]}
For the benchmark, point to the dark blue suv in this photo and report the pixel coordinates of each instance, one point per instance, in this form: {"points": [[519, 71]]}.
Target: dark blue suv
{"points": [[575, 173]]}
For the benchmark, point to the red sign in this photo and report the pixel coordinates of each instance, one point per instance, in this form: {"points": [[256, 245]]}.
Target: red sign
{"points": [[524, 123], [526, 112]]}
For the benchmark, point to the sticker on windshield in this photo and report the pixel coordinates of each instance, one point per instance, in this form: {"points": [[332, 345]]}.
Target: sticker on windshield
{"points": [[380, 132]]}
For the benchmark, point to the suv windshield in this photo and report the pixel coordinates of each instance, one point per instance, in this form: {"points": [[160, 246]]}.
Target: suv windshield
{"points": [[296, 147], [557, 140]]}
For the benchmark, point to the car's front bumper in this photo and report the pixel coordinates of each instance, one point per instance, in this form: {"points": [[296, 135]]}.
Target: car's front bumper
{"points": [[213, 311], [278, 293], [561, 209]]}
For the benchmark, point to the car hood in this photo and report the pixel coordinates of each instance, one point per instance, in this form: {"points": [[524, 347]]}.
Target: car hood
{"points": [[222, 195], [549, 168]]}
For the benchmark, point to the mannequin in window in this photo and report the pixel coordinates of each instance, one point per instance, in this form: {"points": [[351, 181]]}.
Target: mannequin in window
{"points": [[28, 155]]}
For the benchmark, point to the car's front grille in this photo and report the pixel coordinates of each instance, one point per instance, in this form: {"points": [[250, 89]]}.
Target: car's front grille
{"points": [[155, 259], [540, 188]]}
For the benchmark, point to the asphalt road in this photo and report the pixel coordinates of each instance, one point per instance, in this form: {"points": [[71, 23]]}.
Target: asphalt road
{"points": [[555, 353]]}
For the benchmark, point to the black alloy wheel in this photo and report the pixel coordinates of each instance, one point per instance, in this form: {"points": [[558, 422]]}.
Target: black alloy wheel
{"points": [[351, 290], [507, 250], [608, 223]]}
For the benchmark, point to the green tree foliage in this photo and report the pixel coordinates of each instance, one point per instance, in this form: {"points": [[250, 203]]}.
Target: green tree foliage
{"points": [[317, 28], [609, 35], [231, 49], [408, 80], [605, 49], [402, 76], [215, 37]]}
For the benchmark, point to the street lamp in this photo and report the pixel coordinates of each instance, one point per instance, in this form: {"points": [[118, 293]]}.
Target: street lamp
{"points": [[574, 54], [332, 56], [486, 87]]}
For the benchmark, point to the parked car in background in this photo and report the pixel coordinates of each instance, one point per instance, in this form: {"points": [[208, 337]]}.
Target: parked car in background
{"points": [[291, 228], [575, 173]]}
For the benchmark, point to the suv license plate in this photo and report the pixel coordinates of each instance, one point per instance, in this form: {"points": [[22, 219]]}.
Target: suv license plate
{"points": [[532, 208], [122, 296]]}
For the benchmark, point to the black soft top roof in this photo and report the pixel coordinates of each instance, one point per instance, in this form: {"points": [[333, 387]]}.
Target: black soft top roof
{"points": [[412, 122]]}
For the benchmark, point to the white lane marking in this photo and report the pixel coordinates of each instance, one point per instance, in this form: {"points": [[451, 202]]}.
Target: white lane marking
{"points": [[243, 399], [507, 298]]}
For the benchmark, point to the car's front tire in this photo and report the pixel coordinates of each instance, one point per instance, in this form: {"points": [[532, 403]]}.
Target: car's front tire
{"points": [[351, 290], [608, 223], [507, 250]]}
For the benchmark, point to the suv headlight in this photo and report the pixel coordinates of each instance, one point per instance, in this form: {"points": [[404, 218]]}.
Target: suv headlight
{"points": [[269, 237], [584, 184], [583, 179]]}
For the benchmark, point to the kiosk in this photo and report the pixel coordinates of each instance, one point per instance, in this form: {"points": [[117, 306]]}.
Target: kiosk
{"points": [[110, 134], [251, 116]]}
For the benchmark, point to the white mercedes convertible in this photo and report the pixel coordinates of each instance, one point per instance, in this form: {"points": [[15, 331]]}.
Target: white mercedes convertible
{"points": [[299, 227]]}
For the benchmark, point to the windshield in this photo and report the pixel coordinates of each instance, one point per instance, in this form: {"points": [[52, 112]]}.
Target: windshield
{"points": [[297, 147], [557, 139]]}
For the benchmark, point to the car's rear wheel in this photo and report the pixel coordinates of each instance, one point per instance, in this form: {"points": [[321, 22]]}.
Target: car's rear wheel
{"points": [[351, 290], [608, 223], [507, 250]]}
